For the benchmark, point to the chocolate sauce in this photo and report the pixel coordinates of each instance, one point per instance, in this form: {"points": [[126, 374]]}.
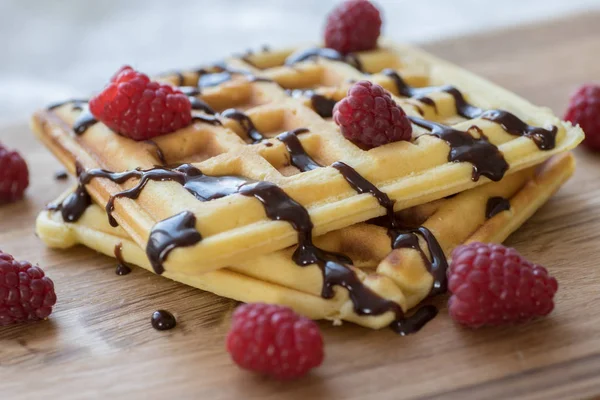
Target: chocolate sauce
{"points": [[496, 205], [298, 156], [203, 187], [83, 121], [197, 103], [168, 234], [329, 54], [543, 138], [209, 119], [78, 104], [122, 267], [321, 104], [163, 320], [73, 206], [246, 124], [61, 175], [224, 73], [158, 151], [485, 157]]}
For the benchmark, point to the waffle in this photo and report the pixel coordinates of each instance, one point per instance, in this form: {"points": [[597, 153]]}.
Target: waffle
{"points": [[402, 276], [455, 146]]}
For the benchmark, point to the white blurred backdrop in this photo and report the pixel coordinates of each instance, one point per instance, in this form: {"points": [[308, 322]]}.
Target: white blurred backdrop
{"points": [[54, 49]]}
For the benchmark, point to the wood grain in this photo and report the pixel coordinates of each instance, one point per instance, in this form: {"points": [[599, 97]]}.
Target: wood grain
{"points": [[99, 339]]}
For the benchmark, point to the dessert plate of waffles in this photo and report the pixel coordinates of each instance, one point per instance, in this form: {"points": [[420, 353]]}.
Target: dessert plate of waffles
{"points": [[352, 194]]}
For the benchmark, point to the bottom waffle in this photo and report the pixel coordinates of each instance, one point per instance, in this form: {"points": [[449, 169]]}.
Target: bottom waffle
{"points": [[387, 278]]}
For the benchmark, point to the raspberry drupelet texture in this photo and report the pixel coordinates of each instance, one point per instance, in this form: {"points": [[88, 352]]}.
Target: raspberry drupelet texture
{"points": [[26, 294], [494, 285], [134, 106], [14, 175], [369, 117], [584, 109], [354, 25], [274, 340]]}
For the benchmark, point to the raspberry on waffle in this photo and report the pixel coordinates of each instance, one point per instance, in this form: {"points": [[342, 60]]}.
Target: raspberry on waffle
{"points": [[463, 135], [385, 283]]}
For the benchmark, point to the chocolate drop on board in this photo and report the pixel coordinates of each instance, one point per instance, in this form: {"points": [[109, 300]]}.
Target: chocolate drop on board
{"points": [[163, 320], [298, 156], [61, 175], [485, 157], [496, 205], [122, 267]]}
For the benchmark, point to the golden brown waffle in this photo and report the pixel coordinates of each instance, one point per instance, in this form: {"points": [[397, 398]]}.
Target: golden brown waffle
{"points": [[401, 276], [235, 227]]}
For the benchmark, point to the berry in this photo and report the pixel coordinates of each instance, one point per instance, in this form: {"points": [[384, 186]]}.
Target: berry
{"points": [[584, 109], [140, 109], [274, 340], [25, 293], [14, 175], [368, 116], [494, 285], [354, 25]]}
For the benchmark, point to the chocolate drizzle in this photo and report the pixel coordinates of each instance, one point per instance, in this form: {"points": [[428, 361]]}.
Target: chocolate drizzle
{"points": [[246, 123], [298, 156], [321, 104], [496, 205], [122, 267], [78, 104], [73, 206], [83, 121], [157, 151], [168, 234], [485, 157], [329, 54], [203, 187], [543, 138]]}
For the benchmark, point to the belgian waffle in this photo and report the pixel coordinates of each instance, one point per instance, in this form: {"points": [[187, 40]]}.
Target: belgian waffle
{"points": [[460, 134], [383, 281]]}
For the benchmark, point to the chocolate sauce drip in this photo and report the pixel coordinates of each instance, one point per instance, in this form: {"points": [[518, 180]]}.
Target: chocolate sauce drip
{"points": [[402, 238], [83, 121], [78, 104], [221, 73], [168, 234], [197, 103], [158, 151], [321, 104], [329, 54], [203, 187], [298, 156], [209, 119], [496, 205], [73, 206], [543, 138], [485, 157], [163, 320], [122, 267], [61, 175], [462, 107], [246, 124]]}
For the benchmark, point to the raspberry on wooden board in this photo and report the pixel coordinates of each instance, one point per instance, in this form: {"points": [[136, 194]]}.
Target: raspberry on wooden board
{"points": [[584, 109]]}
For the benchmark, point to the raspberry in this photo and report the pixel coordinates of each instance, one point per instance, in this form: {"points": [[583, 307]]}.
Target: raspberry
{"points": [[14, 175], [584, 109], [140, 109], [25, 293], [274, 340], [369, 117], [354, 25], [494, 285]]}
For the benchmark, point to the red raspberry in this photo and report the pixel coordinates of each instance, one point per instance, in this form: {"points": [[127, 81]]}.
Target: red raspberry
{"points": [[25, 293], [274, 340], [368, 116], [135, 107], [494, 285], [354, 25], [14, 175], [584, 109]]}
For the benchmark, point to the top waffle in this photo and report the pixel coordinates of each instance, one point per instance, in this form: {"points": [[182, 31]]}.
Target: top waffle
{"points": [[282, 140]]}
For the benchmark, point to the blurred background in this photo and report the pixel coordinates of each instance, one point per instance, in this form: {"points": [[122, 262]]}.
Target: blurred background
{"points": [[55, 49]]}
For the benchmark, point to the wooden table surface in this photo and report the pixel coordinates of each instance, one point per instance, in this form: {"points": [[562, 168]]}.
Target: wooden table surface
{"points": [[99, 339]]}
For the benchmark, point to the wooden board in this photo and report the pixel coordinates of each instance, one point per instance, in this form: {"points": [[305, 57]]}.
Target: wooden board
{"points": [[99, 339]]}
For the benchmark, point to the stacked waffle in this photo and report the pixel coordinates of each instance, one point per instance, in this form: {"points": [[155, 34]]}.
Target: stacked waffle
{"points": [[262, 199]]}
